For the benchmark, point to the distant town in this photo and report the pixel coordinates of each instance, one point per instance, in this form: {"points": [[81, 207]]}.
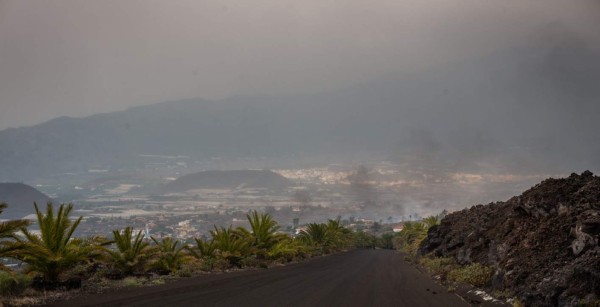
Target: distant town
{"points": [[163, 202]]}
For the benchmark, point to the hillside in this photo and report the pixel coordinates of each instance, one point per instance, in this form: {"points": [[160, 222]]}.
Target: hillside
{"points": [[543, 243], [20, 198], [228, 180], [510, 111]]}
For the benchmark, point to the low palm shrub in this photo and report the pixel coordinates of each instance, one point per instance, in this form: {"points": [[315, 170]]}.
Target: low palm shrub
{"points": [[229, 245], [8, 246], [263, 231], [203, 249], [169, 255], [315, 234], [288, 250], [13, 283], [327, 237], [191, 266], [130, 253], [54, 251]]}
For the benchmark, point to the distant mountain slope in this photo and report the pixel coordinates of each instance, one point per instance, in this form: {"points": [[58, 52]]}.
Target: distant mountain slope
{"points": [[20, 198], [530, 109], [228, 180]]}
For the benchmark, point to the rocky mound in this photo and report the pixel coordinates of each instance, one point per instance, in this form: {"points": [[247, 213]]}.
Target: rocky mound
{"points": [[265, 179], [543, 243], [20, 198]]}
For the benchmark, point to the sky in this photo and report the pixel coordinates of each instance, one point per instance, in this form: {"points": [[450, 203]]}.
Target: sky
{"points": [[77, 58]]}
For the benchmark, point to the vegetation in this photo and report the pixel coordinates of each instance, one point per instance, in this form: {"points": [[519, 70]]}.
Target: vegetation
{"points": [[56, 258], [204, 249], [289, 249], [315, 234], [387, 241], [409, 240], [440, 266], [169, 255], [475, 274], [264, 230], [130, 255], [447, 269], [230, 245], [365, 240], [431, 221], [13, 284], [53, 252], [327, 237], [8, 248]]}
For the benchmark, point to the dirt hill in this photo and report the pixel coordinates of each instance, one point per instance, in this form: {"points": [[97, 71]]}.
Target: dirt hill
{"points": [[543, 243], [20, 198]]}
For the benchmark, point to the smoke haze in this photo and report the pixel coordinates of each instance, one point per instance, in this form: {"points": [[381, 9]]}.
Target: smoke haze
{"points": [[79, 58]]}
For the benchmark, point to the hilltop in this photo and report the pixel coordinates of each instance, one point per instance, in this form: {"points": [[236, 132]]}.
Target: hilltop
{"points": [[543, 244], [233, 179], [20, 198]]}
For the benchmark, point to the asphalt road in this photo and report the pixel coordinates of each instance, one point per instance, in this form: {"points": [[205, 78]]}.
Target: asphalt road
{"points": [[357, 278]]}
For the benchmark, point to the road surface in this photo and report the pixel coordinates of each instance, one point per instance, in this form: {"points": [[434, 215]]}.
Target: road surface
{"points": [[356, 278]]}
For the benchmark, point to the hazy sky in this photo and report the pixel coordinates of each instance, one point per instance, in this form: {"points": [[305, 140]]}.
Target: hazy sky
{"points": [[81, 57]]}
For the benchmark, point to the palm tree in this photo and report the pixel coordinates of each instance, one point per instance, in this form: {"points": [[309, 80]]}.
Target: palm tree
{"points": [[203, 250], [53, 252], [411, 236], [130, 255], [338, 234], [315, 234], [326, 237], [229, 245], [263, 231], [169, 256], [336, 227], [431, 221], [8, 246]]}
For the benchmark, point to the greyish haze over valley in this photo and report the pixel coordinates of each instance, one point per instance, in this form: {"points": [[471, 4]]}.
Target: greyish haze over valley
{"points": [[446, 104]]}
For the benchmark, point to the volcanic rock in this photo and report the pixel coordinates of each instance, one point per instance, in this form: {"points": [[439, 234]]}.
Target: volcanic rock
{"points": [[543, 243]]}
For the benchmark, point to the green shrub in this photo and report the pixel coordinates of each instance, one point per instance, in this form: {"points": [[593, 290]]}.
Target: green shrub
{"points": [[220, 264], [250, 262], [169, 256], [409, 239], [54, 251], [13, 284], [386, 241], [439, 265], [364, 240], [288, 250], [190, 267], [132, 281], [131, 252], [475, 274]]}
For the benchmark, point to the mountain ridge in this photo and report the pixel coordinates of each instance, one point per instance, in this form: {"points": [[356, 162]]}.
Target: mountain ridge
{"points": [[512, 111]]}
